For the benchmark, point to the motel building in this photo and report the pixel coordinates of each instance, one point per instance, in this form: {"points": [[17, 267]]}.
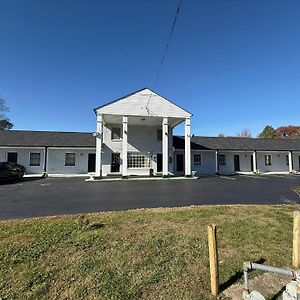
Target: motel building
{"points": [[134, 137]]}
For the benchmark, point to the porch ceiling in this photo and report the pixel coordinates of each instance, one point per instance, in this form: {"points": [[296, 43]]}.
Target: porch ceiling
{"points": [[140, 120]]}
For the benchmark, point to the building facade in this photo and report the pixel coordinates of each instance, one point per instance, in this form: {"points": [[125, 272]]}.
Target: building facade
{"points": [[134, 137]]}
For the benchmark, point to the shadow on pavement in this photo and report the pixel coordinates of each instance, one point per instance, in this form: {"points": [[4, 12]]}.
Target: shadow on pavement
{"points": [[8, 181]]}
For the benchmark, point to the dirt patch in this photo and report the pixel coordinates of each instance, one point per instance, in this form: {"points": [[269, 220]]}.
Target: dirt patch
{"points": [[267, 284]]}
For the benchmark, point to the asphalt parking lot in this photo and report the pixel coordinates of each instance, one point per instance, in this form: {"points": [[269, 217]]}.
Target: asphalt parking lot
{"points": [[57, 196]]}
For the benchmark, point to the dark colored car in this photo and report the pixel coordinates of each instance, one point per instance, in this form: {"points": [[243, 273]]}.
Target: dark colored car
{"points": [[11, 170]]}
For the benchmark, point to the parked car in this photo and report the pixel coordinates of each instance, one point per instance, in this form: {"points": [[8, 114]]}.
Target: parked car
{"points": [[11, 170]]}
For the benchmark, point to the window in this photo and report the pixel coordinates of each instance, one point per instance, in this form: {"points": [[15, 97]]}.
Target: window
{"points": [[222, 159], [159, 134], [116, 133], [70, 160], [197, 159], [138, 160], [268, 160], [12, 157], [287, 160], [35, 159]]}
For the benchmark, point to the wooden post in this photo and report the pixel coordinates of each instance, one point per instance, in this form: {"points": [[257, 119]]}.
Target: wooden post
{"points": [[213, 259], [296, 240]]}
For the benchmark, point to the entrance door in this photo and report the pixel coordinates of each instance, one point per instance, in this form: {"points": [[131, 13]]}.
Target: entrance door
{"points": [[179, 162], [12, 157], [159, 162], [115, 162], [252, 167], [237, 163], [91, 162]]}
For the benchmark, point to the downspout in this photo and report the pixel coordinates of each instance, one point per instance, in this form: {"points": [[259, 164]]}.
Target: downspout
{"points": [[45, 174], [291, 161], [256, 162], [218, 165]]}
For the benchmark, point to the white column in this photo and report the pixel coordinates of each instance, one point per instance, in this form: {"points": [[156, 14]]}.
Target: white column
{"points": [[187, 148], [99, 146], [254, 162], [290, 161], [124, 148], [217, 161], [165, 147]]}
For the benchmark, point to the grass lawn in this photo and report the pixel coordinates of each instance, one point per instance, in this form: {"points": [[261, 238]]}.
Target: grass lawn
{"points": [[296, 188], [147, 254]]}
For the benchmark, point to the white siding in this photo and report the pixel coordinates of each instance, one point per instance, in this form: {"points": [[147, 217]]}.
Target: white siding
{"points": [[136, 105], [56, 160], [140, 139], [296, 161], [278, 162], [207, 166], [208, 163], [245, 162], [24, 158]]}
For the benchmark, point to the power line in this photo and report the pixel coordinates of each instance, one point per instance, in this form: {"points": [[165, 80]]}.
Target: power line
{"points": [[168, 43], [165, 52]]}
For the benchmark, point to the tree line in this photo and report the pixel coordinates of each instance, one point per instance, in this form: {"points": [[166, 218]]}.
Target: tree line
{"points": [[269, 132]]}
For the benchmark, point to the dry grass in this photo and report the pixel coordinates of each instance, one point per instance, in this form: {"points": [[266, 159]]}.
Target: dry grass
{"points": [[141, 254], [296, 188]]}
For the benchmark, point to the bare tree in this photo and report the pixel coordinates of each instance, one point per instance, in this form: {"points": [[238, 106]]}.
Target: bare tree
{"points": [[5, 123], [245, 133]]}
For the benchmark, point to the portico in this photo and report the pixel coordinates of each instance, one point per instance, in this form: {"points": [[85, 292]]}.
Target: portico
{"points": [[135, 136]]}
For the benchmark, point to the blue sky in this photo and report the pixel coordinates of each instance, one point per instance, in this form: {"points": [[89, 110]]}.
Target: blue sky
{"points": [[233, 63]]}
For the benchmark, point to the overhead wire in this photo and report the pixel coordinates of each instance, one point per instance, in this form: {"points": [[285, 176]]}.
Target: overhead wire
{"points": [[165, 54]]}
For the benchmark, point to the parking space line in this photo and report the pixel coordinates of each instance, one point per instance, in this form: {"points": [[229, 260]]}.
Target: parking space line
{"points": [[228, 178], [255, 177]]}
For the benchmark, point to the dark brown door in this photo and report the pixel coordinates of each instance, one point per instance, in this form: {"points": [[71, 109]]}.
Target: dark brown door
{"points": [[237, 163], [159, 162], [115, 162], [179, 162], [12, 157], [91, 162]]}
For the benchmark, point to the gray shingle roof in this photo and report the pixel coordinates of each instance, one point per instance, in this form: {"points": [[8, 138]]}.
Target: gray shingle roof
{"points": [[46, 138], [235, 143], [28, 138]]}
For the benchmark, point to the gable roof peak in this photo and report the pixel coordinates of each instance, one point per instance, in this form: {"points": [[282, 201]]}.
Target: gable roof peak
{"points": [[143, 102]]}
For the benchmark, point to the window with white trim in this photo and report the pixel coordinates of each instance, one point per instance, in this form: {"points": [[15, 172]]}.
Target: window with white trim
{"points": [[222, 159], [138, 160], [35, 159], [197, 159], [116, 133], [70, 159], [268, 160]]}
